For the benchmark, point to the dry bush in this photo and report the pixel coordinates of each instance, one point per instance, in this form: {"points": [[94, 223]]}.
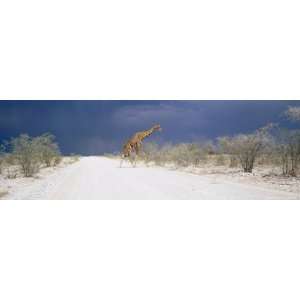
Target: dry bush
{"points": [[30, 153], [162, 156], [220, 160], [149, 152], [2, 157], [8, 166], [178, 155], [208, 147], [11, 172], [185, 154], [234, 162], [152, 152], [74, 158], [3, 193], [293, 113], [57, 160], [246, 147], [10, 160], [288, 148], [26, 152], [181, 155], [48, 149]]}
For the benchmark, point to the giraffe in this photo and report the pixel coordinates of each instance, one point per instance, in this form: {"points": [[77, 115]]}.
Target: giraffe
{"points": [[134, 144]]}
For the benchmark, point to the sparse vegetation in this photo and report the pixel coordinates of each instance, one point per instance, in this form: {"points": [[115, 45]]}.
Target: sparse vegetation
{"points": [[267, 146], [2, 157], [220, 160], [287, 147], [181, 155], [11, 172], [74, 158], [25, 150], [57, 160], [48, 149], [246, 147], [3, 193], [28, 154], [293, 113]]}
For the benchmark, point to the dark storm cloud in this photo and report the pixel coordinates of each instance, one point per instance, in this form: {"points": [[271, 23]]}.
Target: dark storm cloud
{"points": [[94, 127]]}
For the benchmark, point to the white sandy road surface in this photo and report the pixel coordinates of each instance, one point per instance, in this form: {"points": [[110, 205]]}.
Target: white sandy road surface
{"points": [[102, 178]]}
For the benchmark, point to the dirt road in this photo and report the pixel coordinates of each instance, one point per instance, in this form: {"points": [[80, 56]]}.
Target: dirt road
{"points": [[102, 178]]}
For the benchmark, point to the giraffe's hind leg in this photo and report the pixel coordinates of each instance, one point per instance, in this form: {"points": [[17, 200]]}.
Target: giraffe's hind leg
{"points": [[129, 159], [123, 159], [132, 160], [121, 162], [137, 153]]}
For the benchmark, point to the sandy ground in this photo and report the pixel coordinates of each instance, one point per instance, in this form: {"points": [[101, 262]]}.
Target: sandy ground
{"points": [[102, 178]]}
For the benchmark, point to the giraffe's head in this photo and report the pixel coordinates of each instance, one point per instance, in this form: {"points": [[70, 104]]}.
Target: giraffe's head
{"points": [[157, 127]]}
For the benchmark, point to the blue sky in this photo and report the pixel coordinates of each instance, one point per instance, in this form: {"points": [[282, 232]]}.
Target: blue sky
{"points": [[95, 127]]}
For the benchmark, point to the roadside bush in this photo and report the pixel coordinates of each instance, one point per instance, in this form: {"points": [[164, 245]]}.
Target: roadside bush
{"points": [[48, 149], [185, 154], [208, 147], [288, 149], [2, 157], [74, 158], [220, 160], [57, 160], [293, 113], [3, 193], [234, 162], [162, 156], [246, 147], [149, 152], [26, 152], [11, 172], [30, 153], [225, 146], [182, 155], [198, 153], [178, 154]]}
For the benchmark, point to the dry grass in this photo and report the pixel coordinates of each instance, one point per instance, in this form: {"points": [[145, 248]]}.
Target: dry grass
{"points": [[3, 193], [74, 159]]}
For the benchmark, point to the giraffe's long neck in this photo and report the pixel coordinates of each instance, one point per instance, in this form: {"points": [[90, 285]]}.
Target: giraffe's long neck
{"points": [[147, 133]]}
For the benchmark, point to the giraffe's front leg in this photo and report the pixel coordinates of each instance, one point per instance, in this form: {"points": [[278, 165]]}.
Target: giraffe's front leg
{"points": [[135, 160], [131, 159], [138, 150]]}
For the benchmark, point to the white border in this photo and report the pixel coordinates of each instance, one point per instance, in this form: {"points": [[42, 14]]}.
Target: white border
{"points": [[149, 250], [159, 50]]}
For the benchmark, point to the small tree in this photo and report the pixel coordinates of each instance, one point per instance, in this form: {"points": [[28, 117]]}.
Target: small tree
{"points": [[197, 153], [208, 147], [149, 151], [2, 157], [48, 149], [293, 113], [246, 147], [288, 148], [179, 154], [163, 155], [25, 152], [220, 160], [226, 146]]}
